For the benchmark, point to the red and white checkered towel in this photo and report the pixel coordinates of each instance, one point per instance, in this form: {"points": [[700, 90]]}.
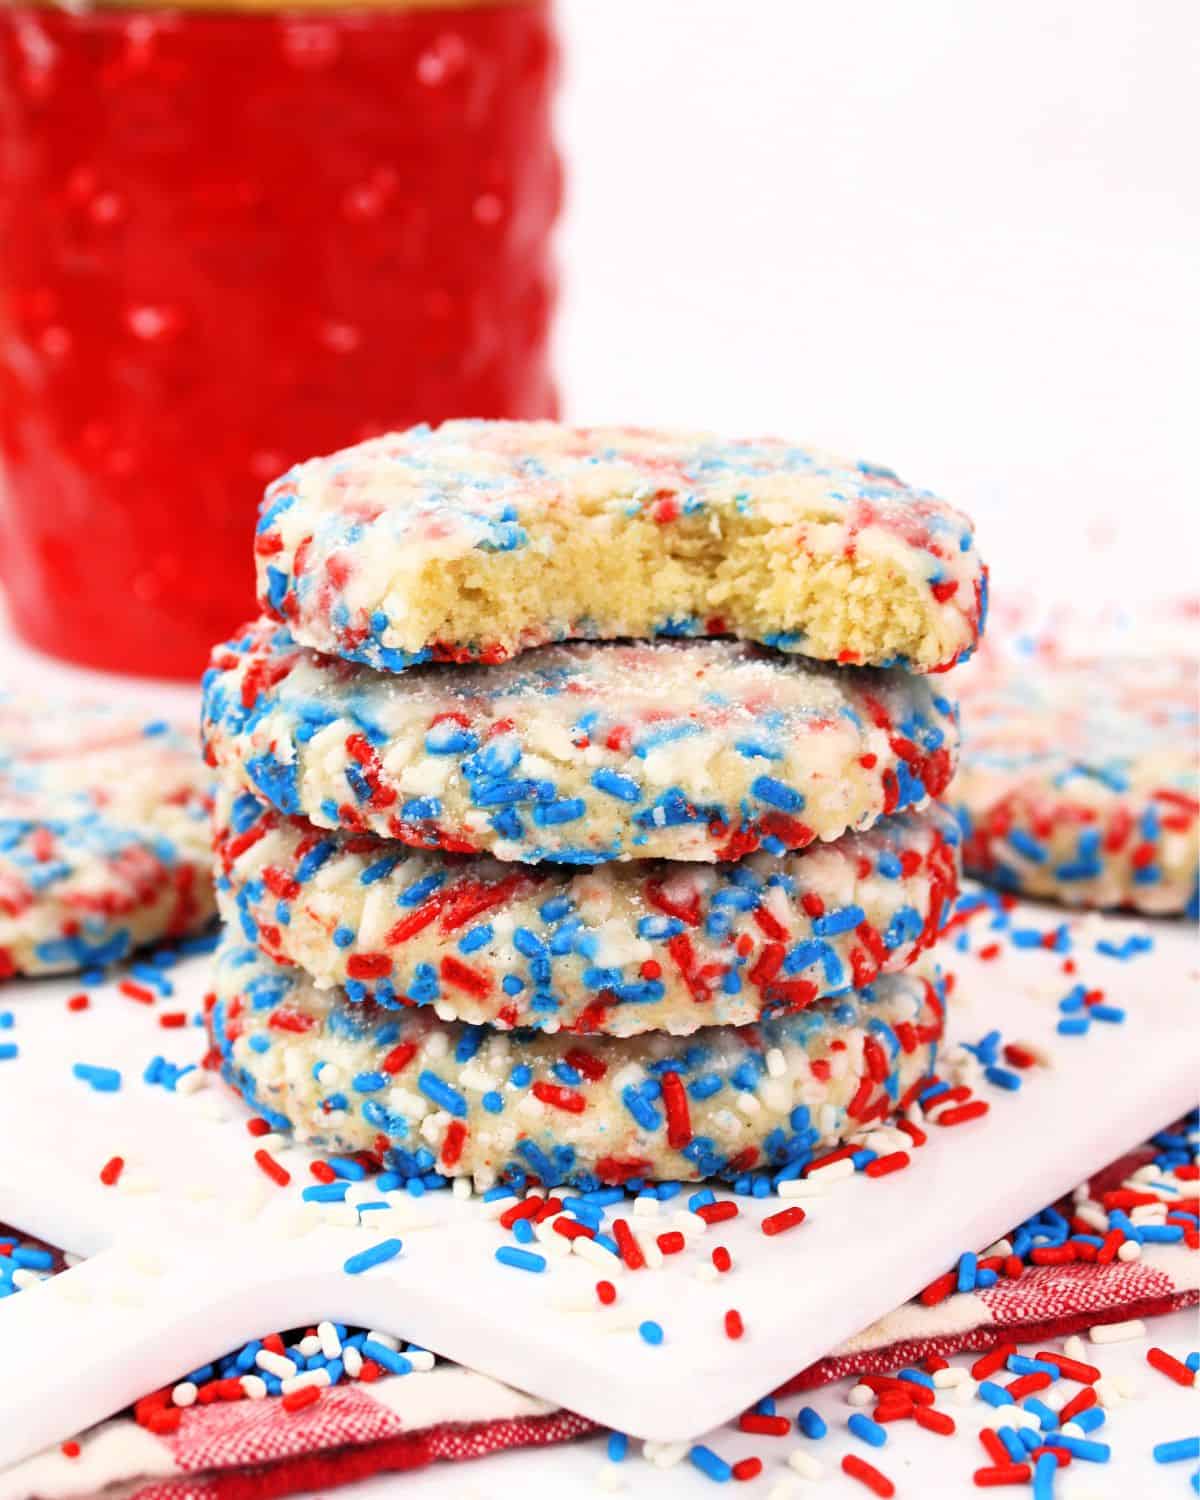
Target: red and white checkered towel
{"points": [[254, 1449]]}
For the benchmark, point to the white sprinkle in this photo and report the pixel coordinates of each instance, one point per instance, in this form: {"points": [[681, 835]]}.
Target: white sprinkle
{"points": [[1092, 1214], [494, 1207], [805, 1464], [1072, 1430], [278, 1365], [352, 1362], [309, 1345], [609, 1477], [331, 1345], [704, 1270], [1003, 1416], [185, 1393], [299, 1382], [776, 1062], [461, 1188], [646, 1206], [688, 1223], [597, 1255], [667, 1455], [860, 1395], [947, 1379], [254, 1387], [648, 1246], [421, 1359], [1117, 1333], [783, 1490], [835, 1171], [1128, 1387], [1107, 1393], [387, 1340], [1075, 1348], [1130, 1250], [803, 1187], [964, 1392]]}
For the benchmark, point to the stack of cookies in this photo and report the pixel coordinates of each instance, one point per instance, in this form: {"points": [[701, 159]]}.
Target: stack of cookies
{"points": [[577, 817]]}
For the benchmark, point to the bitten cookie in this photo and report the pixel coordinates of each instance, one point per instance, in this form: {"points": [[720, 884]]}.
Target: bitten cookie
{"points": [[1080, 779], [615, 950], [422, 1096], [476, 540], [104, 840], [686, 750]]}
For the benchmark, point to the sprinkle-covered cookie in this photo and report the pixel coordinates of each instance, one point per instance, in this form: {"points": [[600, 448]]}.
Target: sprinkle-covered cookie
{"points": [[103, 835], [616, 950], [1080, 779], [476, 540], [581, 753], [421, 1095]]}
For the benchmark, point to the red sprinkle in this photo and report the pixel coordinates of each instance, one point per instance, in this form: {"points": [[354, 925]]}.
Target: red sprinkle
{"points": [[996, 1450], [1003, 1474], [271, 1167], [305, 1396], [868, 1475], [934, 1421], [1025, 1385], [914, 1132], [717, 1213], [937, 1291], [79, 1002], [137, 992], [747, 1468], [671, 1242], [111, 1170], [1167, 1364], [786, 1219], [734, 1327], [721, 1258], [71, 1449], [764, 1426], [960, 1113], [894, 1161], [1079, 1402], [987, 1364], [256, 1125], [606, 1292], [1073, 1369], [631, 1251]]}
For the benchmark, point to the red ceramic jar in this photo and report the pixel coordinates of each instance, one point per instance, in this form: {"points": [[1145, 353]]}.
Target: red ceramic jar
{"points": [[231, 239]]}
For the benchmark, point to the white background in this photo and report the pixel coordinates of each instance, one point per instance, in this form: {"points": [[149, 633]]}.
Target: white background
{"points": [[961, 238]]}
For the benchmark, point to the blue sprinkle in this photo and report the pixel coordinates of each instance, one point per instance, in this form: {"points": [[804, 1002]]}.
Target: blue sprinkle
{"points": [[811, 1423], [776, 793], [103, 1080], [709, 1463], [1179, 1451], [618, 1447], [870, 1432], [1043, 1477], [374, 1256], [442, 1094], [388, 1358], [651, 1332], [522, 1260]]}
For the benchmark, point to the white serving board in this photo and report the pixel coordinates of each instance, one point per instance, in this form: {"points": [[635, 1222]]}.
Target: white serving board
{"points": [[202, 1259]]}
